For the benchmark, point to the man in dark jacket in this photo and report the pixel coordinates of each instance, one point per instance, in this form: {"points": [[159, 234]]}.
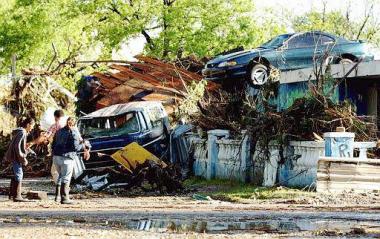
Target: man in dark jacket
{"points": [[16, 154], [67, 143]]}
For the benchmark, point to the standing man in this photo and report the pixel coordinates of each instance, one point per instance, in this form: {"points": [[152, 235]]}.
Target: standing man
{"points": [[16, 154], [58, 114], [67, 143]]}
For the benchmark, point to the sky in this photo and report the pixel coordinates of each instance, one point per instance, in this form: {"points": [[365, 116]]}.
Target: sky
{"points": [[299, 7], [281, 8]]}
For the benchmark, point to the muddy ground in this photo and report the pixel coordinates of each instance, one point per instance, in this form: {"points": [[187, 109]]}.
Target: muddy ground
{"points": [[110, 216]]}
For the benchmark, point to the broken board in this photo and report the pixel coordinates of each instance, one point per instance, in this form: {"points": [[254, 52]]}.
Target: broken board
{"points": [[134, 154], [346, 174]]}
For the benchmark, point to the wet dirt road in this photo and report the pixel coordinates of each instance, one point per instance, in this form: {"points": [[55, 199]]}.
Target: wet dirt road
{"points": [[105, 216]]}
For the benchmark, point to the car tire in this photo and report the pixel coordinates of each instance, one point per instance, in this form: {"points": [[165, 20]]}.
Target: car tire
{"points": [[258, 75], [346, 61]]}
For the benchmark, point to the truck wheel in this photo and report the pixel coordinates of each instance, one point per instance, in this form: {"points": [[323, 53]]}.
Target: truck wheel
{"points": [[258, 75]]}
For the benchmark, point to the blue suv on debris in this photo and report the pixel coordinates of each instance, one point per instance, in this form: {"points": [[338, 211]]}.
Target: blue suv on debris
{"points": [[285, 52]]}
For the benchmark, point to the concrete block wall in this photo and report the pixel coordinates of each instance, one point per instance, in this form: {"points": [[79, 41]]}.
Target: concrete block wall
{"points": [[200, 156], [226, 158], [233, 159], [300, 168], [219, 156]]}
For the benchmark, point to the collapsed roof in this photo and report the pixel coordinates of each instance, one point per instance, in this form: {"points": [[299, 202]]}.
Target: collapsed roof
{"points": [[147, 79]]}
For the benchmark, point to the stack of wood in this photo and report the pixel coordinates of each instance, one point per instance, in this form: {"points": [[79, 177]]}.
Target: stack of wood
{"points": [[147, 79], [348, 174]]}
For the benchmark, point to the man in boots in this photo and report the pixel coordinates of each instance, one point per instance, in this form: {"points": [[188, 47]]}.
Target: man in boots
{"points": [[58, 115], [66, 144], [16, 154]]}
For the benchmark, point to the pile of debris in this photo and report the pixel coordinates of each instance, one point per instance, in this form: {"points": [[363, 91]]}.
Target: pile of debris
{"points": [[137, 168], [192, 63], [30, 96], [319, 115], [307, 119], [145, 80], [149, 176]]}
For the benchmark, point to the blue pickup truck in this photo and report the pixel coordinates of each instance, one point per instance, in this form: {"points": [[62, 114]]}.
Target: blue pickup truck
{"points": [[110, 129]]}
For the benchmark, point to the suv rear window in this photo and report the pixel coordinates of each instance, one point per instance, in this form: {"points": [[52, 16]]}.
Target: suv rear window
{"points": [[110, 126]]}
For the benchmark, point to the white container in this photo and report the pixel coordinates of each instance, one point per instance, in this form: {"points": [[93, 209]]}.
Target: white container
{"points": [[339, 144]]}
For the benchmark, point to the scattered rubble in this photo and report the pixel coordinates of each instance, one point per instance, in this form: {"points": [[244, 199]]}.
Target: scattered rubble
{"points": [[148, 176]]}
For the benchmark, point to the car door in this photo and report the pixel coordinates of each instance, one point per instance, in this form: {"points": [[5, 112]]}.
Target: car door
{"points": [[298, 52], [146, 129], [154, 139]]}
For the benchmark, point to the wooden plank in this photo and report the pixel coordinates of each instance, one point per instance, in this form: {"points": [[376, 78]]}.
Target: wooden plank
{"points": [[137, 75], [168, 80], [188, 74], [348, 160], [348, 174], [340, 187], [107, 81], [121, 94], [357, 171], [160, 97], [121, 77], [344, 178], [150, 69]]}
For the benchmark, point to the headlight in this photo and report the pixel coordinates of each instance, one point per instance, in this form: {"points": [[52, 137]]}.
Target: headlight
{"points": [[227, 63]]}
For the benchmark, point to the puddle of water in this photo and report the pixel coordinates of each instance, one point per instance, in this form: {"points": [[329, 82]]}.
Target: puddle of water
{"points": [[213, 225]]}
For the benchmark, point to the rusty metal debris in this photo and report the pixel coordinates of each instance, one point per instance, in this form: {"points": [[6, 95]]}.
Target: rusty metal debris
{"points": [[145, 80]]}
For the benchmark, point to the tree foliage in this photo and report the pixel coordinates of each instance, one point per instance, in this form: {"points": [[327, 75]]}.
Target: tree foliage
{"points": [[341, 23], [176, 28], [40, 31], [44, 33]]}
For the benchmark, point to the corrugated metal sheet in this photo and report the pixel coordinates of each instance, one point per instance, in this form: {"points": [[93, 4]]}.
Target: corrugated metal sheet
{"points": [[119, 109]]}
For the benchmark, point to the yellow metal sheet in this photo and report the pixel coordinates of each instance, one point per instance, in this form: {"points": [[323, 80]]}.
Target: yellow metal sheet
{"points": [[134, 154]]}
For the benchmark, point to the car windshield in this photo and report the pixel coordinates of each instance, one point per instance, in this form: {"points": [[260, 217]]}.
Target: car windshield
{"points": [[109, 126], [276, 42]]}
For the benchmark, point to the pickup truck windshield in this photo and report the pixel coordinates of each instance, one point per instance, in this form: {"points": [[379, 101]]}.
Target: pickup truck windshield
{"points": [[110, 126]]}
